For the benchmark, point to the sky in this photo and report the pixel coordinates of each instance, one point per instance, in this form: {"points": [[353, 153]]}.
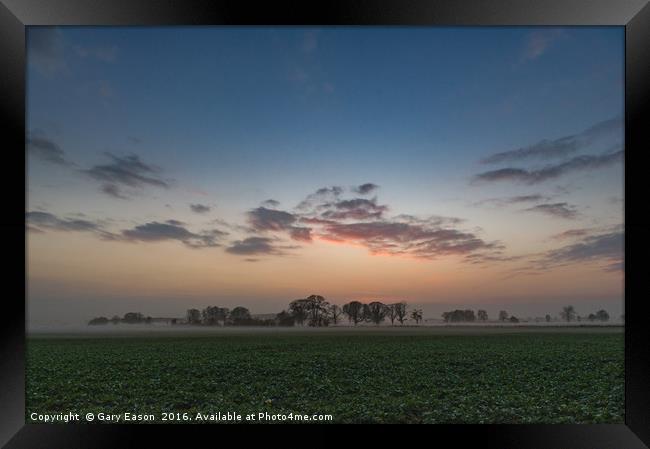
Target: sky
{"points": [[179, 167]]}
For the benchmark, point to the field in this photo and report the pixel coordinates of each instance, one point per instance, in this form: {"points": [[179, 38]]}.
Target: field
{"points": [[384, 375]]}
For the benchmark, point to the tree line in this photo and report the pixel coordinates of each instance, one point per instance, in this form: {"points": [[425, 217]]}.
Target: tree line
{"points": [[316, 311], [313, 311], [568, 314], [130, 318]]}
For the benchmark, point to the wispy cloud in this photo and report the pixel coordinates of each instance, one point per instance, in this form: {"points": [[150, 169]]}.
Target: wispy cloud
{"points": [[602, 246], [114, 191], [560, 210], [323, 194], [255, 245], [47, 221], [46, 149], [539, 41], [154, 231], [402, 238], [363, 221], [535, 176], [263, 219], [199, 208], [366, 188], [171, 230], [356, 209], [500, 202], [126, 171], [560, 147], [606, 248], [571, 234]]}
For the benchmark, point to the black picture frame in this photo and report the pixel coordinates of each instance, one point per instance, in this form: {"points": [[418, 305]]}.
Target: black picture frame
{"points": [[634, 15]]}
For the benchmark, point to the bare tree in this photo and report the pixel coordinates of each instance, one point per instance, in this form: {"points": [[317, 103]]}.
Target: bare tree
{"points": [[355, 312], [568, 313], [392, 313], [317, 308], [400, 308], [193, 316], [335, 312], [298, 310], [377, 312], [222, 315], [416, 314]]}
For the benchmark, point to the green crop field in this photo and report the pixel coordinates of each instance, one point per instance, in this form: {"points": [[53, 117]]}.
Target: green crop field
{"points": [[436, 376]]}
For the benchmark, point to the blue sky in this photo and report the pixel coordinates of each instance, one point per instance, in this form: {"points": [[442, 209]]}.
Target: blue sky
{"points": [[230, 117]]}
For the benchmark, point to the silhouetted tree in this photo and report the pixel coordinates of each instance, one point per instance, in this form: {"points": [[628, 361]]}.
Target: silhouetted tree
{"points": [[458, 315], [355, 312], [602, 315], [514, 319], [568, 313], [193, 316], [98, 320], [212, 315], [240, 315], [222, 315], [400, 309], [503, 315], [317, 308], [591, 317], [391, 313], [335, 313], [482, 315], [548, 318], [133, 317], [209, 315], [116, 319], [285, 319], [298, 309], [416, 314], [376, 312]]}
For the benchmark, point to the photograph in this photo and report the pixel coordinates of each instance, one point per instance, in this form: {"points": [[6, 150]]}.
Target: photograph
{"points": [[325, 224]]}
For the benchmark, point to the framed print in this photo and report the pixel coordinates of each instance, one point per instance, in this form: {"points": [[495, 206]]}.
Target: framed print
{"points": [[341, 213]]}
